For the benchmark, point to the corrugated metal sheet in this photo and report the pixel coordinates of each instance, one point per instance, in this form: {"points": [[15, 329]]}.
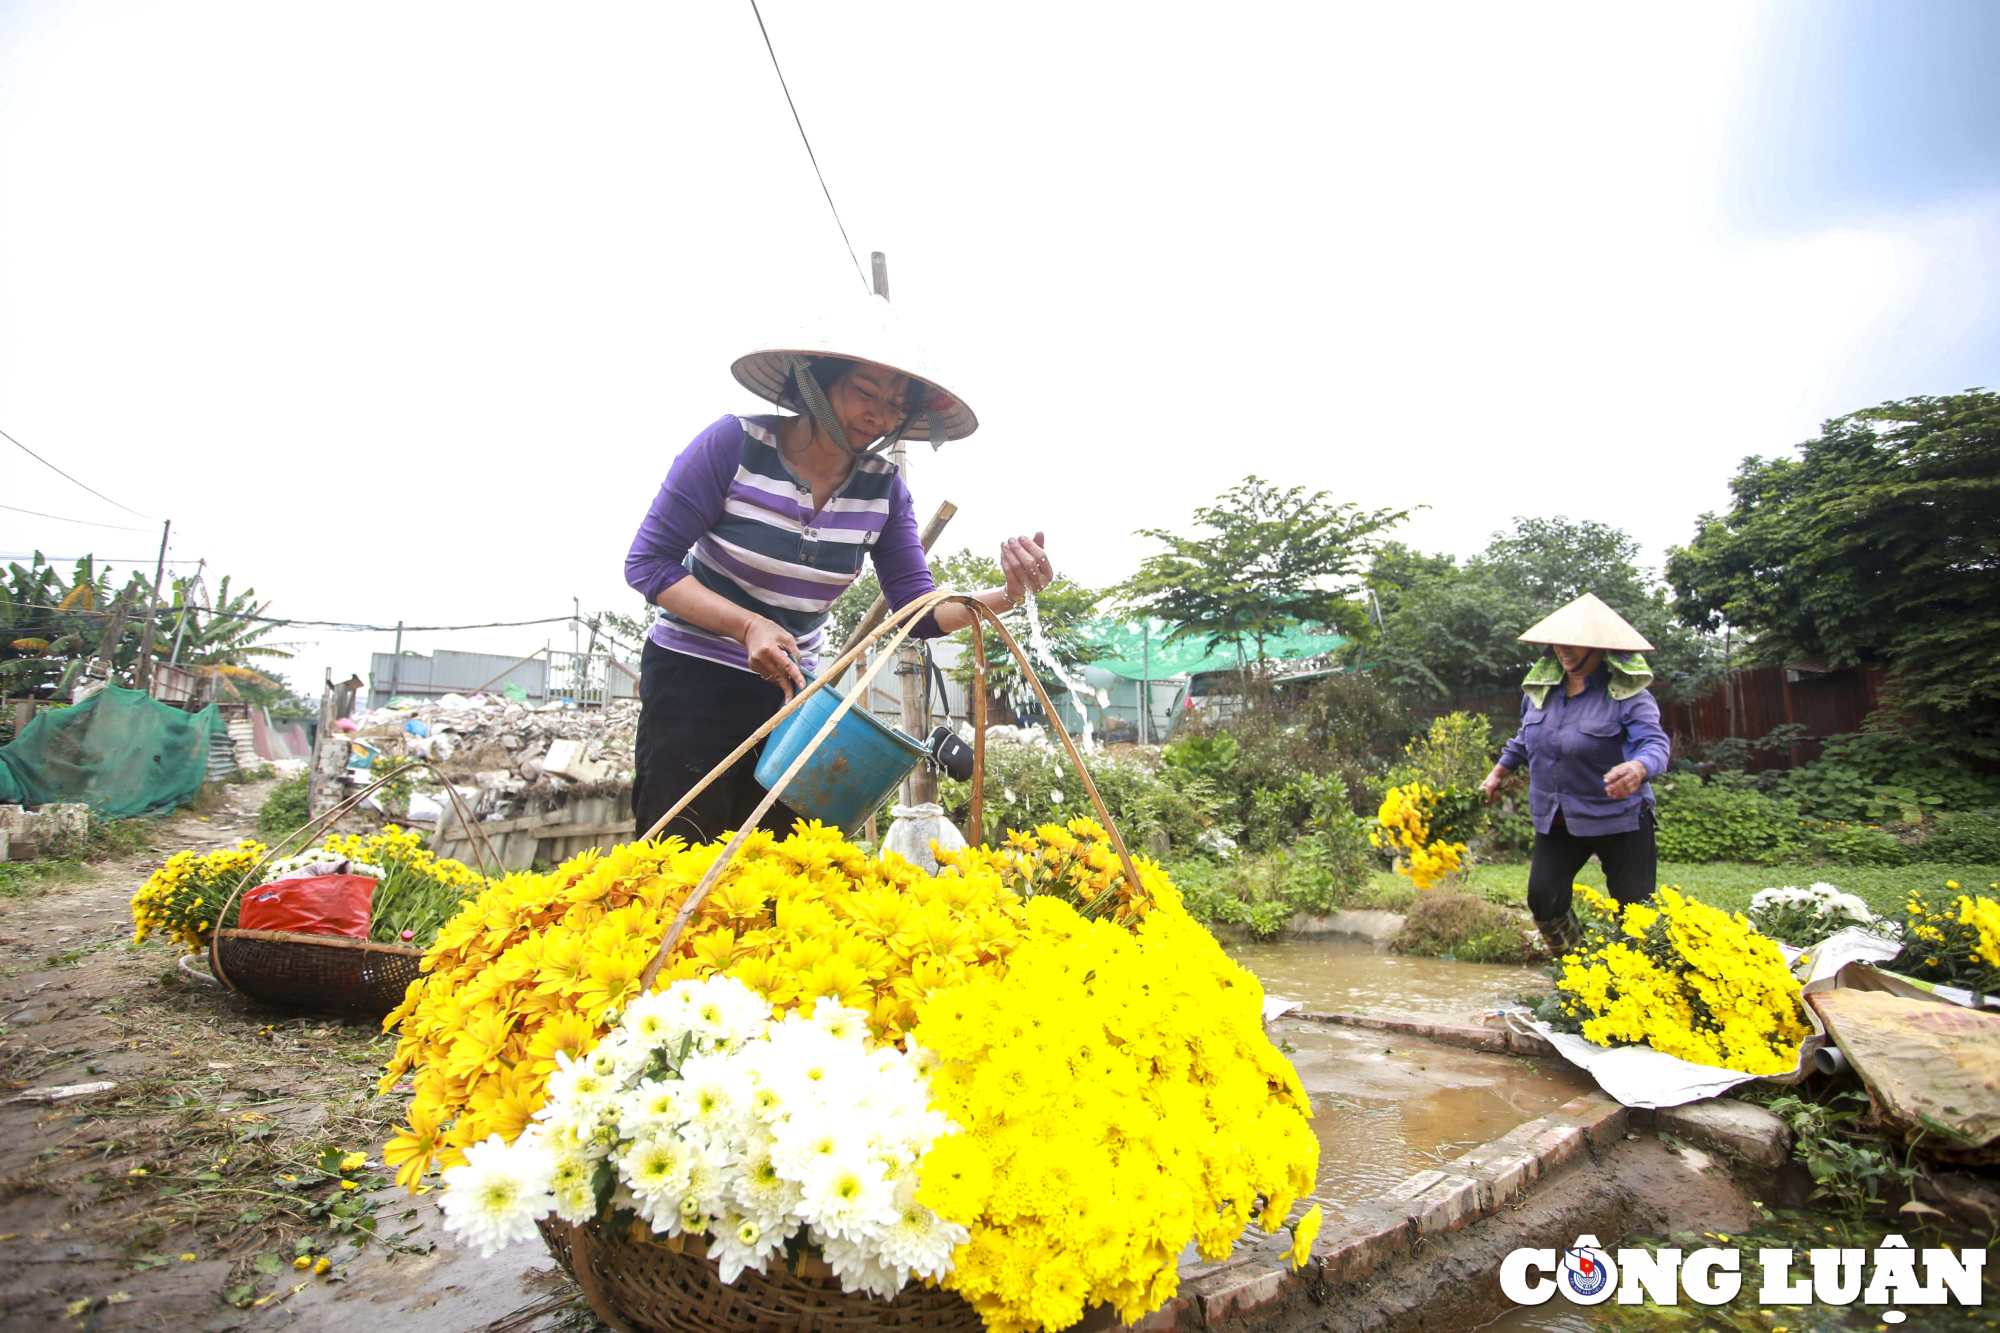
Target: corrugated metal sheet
{"points": [[448, 672]]}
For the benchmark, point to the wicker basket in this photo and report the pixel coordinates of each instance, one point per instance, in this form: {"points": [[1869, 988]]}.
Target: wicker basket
{"points": [[642, 1287], [316, 971]]}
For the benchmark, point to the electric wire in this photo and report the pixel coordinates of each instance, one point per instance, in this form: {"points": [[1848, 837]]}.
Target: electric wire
{"points": [[348, 626], [814, 157], [66, 476], [87, 522]]}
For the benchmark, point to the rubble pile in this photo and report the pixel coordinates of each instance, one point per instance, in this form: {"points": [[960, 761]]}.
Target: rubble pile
{"points": [[519, 757]]}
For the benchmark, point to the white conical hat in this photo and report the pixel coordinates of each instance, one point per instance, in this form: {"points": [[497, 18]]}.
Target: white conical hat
{"points": [[866, 328], [1588, 623]]}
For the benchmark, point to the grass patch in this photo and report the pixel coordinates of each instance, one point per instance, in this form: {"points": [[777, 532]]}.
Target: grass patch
{"points": [[105, 840], [1444, 923], [1729, 885]]}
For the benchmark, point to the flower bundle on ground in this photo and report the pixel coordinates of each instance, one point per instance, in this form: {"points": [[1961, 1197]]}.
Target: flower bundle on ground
{"points": [[1404, 828], [1951, 938], [1103, 1056], [704, 1115], [417, 892], [184, 897], [1682, 977], [1804, 917]]}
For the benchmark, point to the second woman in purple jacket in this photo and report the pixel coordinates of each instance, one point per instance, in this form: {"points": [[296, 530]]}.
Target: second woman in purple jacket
{"points": [[1591, 738]]}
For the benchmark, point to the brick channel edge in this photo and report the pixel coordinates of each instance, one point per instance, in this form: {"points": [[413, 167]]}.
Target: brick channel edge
{"points": [[1357, 1241]]}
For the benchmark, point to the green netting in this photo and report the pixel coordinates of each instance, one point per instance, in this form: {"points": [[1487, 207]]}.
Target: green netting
{"points": [[118, 751], [1132, 658]]}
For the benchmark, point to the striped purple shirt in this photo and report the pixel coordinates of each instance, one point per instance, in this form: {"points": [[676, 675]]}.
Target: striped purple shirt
{"points": [[734, 516]]}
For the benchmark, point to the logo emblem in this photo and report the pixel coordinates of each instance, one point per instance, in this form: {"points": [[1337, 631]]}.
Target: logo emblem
{"points": [[1587, 1275]]}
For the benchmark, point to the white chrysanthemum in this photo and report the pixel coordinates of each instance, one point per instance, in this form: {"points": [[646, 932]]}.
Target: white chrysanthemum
{"points": [[712, 1094], [571, 1185], [858, 1267], [495, 1197], [760, 1191], [846, 1197], [658, 1167], [723, 1012], [577, 1089], [918, 1241], [799, 1143], [737, 1243], [655, 1021], [709, 1176], [843, 1023], [651, 1107]]}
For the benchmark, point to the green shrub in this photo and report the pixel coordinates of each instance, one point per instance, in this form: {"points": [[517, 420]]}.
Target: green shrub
{"points": [[1969, 836], [284, 809], [1443, 923], [1161, 808], [1858, 845], [1724, 819], [1319, 873], [1457, 751], [1875, 777]]}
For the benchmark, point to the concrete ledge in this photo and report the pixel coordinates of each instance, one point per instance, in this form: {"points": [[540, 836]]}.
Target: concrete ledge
{"points": [[1738, 1130], [1498, 1040]]}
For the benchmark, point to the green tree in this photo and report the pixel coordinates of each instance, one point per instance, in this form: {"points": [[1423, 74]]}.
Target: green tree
{"points": [[1270, 559], [1064, 607], [1879, 542], [1452, 631]]}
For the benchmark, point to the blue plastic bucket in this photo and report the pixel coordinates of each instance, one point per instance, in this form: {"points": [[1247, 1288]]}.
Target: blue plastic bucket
{"points": [[850, 774]]}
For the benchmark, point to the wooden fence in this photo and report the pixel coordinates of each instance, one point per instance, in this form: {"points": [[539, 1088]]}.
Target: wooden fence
{"points": [[1747, 704]]}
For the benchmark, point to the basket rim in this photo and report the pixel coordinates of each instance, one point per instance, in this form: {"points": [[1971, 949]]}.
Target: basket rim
{"points": [[329, 941]]}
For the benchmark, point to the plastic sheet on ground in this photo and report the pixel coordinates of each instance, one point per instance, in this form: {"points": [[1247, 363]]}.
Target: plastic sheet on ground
{"points": [[1932, 1070], [119, 752], [1640, 1075], [916, 826]]}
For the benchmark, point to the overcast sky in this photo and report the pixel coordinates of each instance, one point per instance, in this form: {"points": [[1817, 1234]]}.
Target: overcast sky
{"points": [[401, 311]]}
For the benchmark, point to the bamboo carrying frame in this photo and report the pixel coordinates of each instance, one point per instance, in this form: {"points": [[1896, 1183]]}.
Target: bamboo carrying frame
{"points": [[324, 971], [647, 1286]]}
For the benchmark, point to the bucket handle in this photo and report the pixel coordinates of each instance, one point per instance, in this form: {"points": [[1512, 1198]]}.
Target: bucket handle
{"points": [[902, 622]]}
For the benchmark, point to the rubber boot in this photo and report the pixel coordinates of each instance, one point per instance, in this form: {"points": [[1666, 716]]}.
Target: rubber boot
{"points": [[1562, 934]]}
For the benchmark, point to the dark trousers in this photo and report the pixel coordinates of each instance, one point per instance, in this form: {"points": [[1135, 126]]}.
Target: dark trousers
{"points": [[1631, 866], [692, 713]]}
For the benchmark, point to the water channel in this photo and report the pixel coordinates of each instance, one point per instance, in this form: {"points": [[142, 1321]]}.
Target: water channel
{"points": [[1387, 1106]]}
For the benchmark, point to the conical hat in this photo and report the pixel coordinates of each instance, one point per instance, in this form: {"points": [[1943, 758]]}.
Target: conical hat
{"points": [[866, 328], [1588, 623]]}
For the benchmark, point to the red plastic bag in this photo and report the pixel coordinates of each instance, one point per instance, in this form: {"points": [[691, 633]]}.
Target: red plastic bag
{"points": [[321, 905]]}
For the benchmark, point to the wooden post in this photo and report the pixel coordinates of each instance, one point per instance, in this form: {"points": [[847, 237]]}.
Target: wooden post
{"points": [[143, 673], [920, 786]]}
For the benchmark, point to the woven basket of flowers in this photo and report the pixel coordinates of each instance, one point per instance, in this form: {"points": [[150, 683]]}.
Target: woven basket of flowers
{"points": [[195, 899], [778, 1083]]}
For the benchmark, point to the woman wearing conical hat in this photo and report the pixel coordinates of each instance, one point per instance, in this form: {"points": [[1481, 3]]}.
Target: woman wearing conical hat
{"points": [[1591, 737], [762, 522]]}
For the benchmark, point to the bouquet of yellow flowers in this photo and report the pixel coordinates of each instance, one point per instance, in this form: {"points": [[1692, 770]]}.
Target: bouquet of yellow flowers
{"points": [[1095, 1084], [1951, 938], [184, 898], [416, 891], [1405, 826], [1682, 977]]}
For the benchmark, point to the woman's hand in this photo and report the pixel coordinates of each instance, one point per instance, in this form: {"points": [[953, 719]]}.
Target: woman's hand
{"points": [[774, 654], [1026, 566], [1625, 779], [1493, 780]]}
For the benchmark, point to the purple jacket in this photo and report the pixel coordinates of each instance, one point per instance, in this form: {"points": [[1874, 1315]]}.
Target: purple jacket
{"points": [[1573, 742], [734, 516]]}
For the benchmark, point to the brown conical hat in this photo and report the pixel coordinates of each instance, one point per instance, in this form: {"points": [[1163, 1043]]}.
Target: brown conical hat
{"points": [[1588, 623]]}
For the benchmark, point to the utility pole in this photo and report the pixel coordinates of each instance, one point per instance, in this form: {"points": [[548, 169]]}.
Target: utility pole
{"points": [[921, 786], [143, 675], [396, 665], [1145, 677]]}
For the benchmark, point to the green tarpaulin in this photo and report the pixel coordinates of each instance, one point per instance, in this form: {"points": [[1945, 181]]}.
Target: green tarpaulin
{"points": [[1192, 656], [118, 751]]}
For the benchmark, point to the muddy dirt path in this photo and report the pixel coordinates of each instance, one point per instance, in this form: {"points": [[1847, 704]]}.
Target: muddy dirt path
{"points": [[205, 1189]]}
